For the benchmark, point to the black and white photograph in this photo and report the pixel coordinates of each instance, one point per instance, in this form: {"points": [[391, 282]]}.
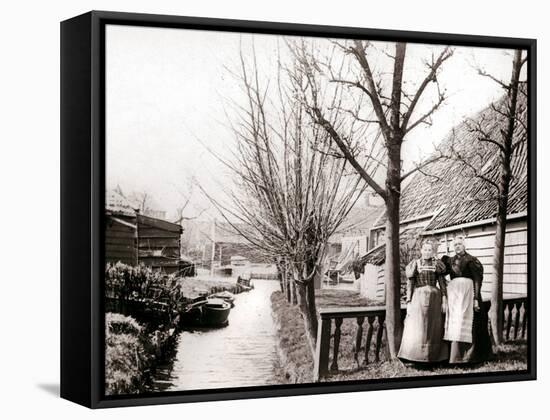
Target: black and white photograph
{"points": [[276, 210], [285, 210]]}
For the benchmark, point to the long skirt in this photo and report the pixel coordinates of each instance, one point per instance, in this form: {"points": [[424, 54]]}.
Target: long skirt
{"points": [[423, 333], [466, 329]]}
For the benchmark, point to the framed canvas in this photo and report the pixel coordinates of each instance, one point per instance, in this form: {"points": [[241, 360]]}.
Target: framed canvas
{"points": [[256, 209]]}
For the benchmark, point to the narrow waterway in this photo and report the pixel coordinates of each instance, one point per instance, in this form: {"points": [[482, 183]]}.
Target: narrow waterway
{"points": [[239, 355]]}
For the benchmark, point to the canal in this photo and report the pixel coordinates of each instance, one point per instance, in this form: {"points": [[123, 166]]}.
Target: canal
{"points": [[241, 354]]}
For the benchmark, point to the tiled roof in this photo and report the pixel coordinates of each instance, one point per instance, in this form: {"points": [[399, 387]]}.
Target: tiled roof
{"points": [[448, 191]]}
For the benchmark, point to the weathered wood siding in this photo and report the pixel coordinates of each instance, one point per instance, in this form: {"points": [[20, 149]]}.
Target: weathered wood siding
{"points": [[159, 243], [121, 240], [479, 243], [371, 283]]}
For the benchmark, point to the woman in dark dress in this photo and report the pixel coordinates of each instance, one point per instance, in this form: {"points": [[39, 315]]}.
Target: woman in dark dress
{"points": [[423, 332], [466, 324]]}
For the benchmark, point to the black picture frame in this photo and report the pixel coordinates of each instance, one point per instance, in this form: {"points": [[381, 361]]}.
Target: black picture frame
{"points": [[82, 204]]}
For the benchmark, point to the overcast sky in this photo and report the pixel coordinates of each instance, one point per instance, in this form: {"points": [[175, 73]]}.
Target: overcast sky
{"points": [[167, 89]]}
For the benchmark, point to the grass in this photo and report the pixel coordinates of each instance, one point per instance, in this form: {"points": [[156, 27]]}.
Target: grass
{"points": [[126, 357], [295, 360], [132, 351], [296, 364], [509, 357], [334, 298]]}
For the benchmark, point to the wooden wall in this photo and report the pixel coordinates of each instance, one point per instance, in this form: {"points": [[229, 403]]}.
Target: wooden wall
{"points": [[371, 282], [121, 240], [480, 243], [159, 243]]}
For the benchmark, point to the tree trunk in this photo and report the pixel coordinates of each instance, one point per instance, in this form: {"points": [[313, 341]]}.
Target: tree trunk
{"points": [[497, 309], [293, 292], [281, 278], [290, 294], [394, 327], [497, 304], [306, 304], [312, 307]]}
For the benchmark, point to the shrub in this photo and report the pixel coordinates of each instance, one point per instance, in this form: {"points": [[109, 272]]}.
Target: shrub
{"points": [[124, 282], [126, 357]]}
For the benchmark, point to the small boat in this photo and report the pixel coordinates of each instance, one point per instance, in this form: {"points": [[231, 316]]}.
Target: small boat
{"points": [[192, 314], [225, 295], [210, 312], [245, 283], [215, 312]]}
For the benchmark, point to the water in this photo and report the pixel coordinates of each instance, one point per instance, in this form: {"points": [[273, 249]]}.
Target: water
{"points": [[239, 355]]}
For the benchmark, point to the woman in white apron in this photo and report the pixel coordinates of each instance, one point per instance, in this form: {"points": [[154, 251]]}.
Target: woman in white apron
{"points": [[466, 326]]}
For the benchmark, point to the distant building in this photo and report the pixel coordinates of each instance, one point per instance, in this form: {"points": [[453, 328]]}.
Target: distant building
{"points": [[350, 243], [355, 237]]}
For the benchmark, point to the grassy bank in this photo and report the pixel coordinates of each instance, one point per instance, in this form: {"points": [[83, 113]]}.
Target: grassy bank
{"points": [[295, 361], [127, 355], [296, 365], [132, 352]]}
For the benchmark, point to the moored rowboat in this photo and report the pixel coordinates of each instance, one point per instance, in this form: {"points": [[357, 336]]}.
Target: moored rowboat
{"points": [[225, 295], [211, 312], [215, 312]]}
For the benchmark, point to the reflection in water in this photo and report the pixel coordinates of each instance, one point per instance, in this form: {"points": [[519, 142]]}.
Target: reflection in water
{"points": [[241, 354]]}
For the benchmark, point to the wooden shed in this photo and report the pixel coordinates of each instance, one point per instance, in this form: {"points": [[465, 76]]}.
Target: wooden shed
{"points": [[159, 243], [133, 238], [121, 237], [447, 201]]}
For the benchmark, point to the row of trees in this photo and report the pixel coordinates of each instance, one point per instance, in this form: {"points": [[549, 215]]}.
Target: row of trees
{"points": [[329, 126]]}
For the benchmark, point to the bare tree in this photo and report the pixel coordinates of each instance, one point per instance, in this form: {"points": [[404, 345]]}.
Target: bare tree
{"points": [[502, 132], [182, 211], [139, 200], [392, 104], [291, 194]]}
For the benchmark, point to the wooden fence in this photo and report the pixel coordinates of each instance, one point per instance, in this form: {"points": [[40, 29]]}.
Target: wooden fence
{"points": [[515, 326]]}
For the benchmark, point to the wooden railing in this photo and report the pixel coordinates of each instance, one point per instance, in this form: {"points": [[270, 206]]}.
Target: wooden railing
{"points": [[515, 318], [515, 326]]}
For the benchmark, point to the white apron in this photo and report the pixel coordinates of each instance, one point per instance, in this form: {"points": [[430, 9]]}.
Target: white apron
{"points": [[460, 310]]}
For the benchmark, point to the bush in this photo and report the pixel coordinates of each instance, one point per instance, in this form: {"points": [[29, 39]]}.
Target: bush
{"points": [[126, 356], [124, 282]]}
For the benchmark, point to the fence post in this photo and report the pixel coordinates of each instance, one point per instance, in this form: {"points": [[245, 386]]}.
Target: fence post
{"points": [[322, 348]]}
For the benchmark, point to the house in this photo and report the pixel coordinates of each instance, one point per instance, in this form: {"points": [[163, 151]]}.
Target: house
{"points": [[353, 241], [121, 240], [355, 234], [446, 201], [133, 238], [159, 243]]}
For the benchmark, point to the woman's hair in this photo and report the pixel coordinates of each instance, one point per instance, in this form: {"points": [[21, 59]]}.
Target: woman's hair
{"points": [[460, 238], [428, 242]]}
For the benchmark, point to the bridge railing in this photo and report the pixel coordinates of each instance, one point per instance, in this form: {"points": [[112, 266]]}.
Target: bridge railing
{"points": [[372, 319]]}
